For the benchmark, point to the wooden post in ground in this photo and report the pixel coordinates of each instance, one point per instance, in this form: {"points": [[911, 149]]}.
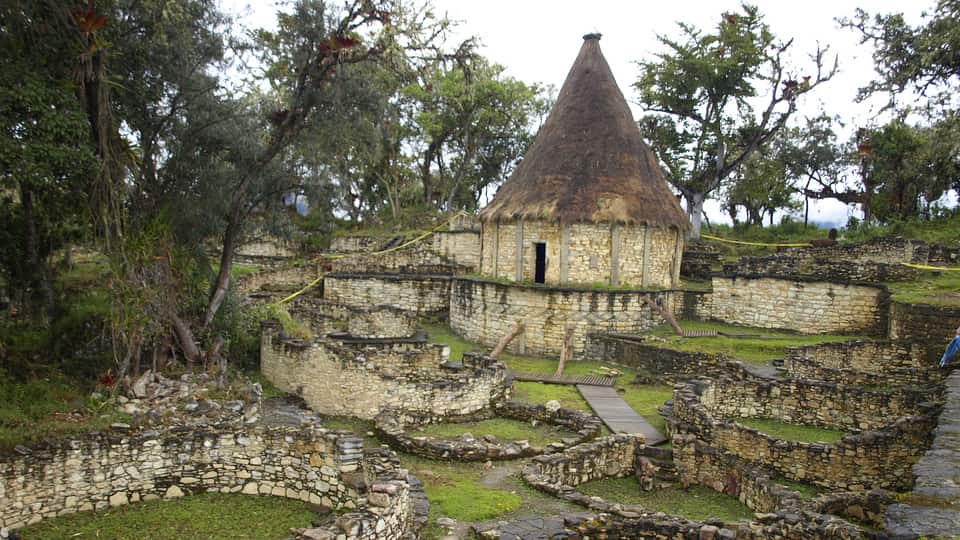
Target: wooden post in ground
{"points": [[664, 312], [505, 340], [565, 349]]}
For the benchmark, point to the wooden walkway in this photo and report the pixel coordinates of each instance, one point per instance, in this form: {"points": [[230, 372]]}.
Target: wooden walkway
{"points": [[617, 414], [590, 380]]}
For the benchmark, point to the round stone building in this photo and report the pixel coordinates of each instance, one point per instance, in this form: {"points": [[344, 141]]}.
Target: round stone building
{"points": [[584, 235], [588, 204]]}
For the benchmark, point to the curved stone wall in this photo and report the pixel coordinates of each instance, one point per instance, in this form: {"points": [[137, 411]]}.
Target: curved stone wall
{"points": [[484, 311], [363, 377], [114, 468], [865, 460], [392, 427]]}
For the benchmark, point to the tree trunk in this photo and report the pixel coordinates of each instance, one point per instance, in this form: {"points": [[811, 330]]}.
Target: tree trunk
{"points": [[40, 278], [187, 342], [695, 213], [664, 312], [230, 237], [565, 349], [505, 340]]}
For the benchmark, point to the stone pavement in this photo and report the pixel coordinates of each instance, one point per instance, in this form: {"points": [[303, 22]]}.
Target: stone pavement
{"points": [[617, 414], [527, 527], [933, 509]]}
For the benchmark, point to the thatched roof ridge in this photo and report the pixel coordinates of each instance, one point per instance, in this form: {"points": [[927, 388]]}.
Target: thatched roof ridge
{"points": [[588, 163]]}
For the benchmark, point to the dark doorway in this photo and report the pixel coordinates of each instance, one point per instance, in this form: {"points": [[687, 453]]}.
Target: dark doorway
{"points": [[541, 267]]}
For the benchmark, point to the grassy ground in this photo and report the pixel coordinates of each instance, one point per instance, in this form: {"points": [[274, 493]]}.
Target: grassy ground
{"points": [[763, 346], [501, 428], [696, 503], [32, 411], [792, 432], [807, 491], [645, 399], [936, 288], [212, 516]]}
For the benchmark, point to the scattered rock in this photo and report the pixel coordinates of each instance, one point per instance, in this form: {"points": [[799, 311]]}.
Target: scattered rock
{"points": [[552, 405], [447, 522]]}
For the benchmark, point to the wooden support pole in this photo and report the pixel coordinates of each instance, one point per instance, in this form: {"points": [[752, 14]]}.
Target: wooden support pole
{"points": [[565, 349], [505, 340], [664, 312]]}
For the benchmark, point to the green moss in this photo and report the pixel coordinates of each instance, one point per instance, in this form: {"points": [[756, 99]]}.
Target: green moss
{"points": [[759, 346], [211, 516], [646, 399], [697, 502], [792, 432], [469, 501], [501, 428]]}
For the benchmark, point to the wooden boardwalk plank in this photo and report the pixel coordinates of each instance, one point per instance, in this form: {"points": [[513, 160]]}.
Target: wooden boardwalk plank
{"points": [[617, 414]]}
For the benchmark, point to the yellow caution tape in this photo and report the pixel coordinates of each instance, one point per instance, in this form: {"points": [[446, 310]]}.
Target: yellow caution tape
{"points": [[926, 267], [719, 239], [420, 238]]}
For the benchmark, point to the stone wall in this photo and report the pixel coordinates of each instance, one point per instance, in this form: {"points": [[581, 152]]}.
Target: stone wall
{"points": [[836, 270], [933, 326], [420, 294], [660, 363], [862, 461], [392, 427], [808, 307], [101, 470], [349, 243], [700, 464], [443, 252], [484, 311], [285, 279], [865, 363], [381, 322], [612, 456], [809, 402], [363, 378], [889, 250], [645, 257]]}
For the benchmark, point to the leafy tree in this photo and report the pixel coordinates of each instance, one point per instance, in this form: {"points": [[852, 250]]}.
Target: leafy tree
{"points": [[473, 123], [761, 186], [815, 161], [921, 58], [701, 95]]}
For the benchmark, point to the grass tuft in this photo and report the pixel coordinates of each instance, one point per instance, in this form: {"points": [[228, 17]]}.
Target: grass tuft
{"points": [[698, 502], [792, 432], [211, 516], [469, 501]]}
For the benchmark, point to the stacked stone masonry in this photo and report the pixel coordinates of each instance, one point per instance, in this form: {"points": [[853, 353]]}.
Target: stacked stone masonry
{"points": [[362, 378], [933, 326], [419, 294], [808, 307], [393, 427], [102, 470], [865, 460], [863, 363], [484, 311], [836, 270], [443, 252], [583, 253]]}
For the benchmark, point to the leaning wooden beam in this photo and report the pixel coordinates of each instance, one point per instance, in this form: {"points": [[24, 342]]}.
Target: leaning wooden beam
{"points": [[664, 312], [505, 340], [565, 349]]}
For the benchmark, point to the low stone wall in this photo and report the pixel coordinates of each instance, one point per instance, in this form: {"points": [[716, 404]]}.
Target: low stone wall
{"points": [[101, 470], [808, 307], [612, 456], [933, 326], [700, 464], [381, 322], [392, 426], [860, 355], [834, 270], [808, 402], [363, 378], [484, 311], [443, 252], [699, 260], [284, 279], [889, 250], [794, 525], [659, 363], [420, 294], [800, 367], [863, 461]]}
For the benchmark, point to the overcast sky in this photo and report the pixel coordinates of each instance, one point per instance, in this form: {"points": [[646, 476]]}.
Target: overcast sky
{"points": [[537, 41]]}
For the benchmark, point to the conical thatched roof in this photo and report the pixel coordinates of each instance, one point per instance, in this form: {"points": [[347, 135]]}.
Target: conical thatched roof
{"points": [[588, 163]]}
